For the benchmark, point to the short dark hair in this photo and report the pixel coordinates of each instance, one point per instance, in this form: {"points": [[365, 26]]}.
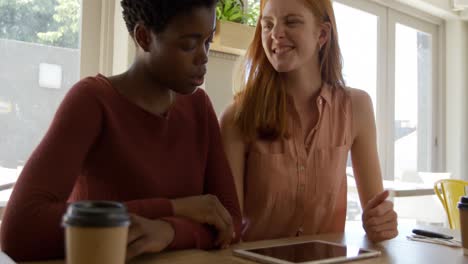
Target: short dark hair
{"points": [[156, 14]]}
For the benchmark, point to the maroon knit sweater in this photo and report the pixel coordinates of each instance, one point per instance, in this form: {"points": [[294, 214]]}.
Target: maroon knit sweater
{"points": [[100, 146]]}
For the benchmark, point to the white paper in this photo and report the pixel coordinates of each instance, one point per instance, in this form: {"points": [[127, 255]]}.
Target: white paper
{"points": [[440, 241], [4, 259]]}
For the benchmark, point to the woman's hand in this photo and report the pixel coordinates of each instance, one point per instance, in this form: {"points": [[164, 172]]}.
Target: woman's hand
{"points": [[379, 219], [148, 236], [207, 209]]}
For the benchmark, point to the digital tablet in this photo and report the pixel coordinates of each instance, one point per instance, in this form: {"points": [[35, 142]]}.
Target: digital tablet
{"points": [[310, 252]]}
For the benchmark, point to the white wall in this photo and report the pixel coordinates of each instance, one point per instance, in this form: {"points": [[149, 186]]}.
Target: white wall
{"points": [[124, 47], [456, 98], [219, 81], [441, 4], [439, 8]]}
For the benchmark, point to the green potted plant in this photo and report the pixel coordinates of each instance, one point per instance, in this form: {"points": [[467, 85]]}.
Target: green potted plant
{"points": [[252, 13], [230, 10], [234, 28]]}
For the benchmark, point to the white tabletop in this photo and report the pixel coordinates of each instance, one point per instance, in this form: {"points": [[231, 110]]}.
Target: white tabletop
{"points": [[403, 189], [8, 178]]}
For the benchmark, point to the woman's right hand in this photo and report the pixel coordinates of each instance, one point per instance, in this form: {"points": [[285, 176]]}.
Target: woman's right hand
{"points": [[147, 236], [207, 209]]}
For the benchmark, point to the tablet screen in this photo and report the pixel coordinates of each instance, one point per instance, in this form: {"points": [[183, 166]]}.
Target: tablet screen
{"points": [[309, 251]]}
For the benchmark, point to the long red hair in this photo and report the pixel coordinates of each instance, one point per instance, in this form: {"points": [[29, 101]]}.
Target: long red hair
{"points": [[261, 103]]}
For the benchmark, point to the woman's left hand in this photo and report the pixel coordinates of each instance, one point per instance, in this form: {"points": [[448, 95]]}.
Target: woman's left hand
{"points": [[148, 236], [379, 219]]}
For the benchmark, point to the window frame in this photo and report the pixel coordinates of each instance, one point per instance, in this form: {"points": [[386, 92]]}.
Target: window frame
{"points": [[388, 15], [101, 43], [395, 17]]}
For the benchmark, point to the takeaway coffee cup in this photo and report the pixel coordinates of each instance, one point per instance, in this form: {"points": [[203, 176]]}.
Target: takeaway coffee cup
{"points": [[96, 232], [463, 209]]}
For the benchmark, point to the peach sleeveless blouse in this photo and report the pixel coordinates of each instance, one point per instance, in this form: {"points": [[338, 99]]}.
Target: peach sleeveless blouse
{"points": [[298, 185]]}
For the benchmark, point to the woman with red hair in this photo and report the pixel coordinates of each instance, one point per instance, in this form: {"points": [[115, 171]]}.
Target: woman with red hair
{"points": [[288, 133]]}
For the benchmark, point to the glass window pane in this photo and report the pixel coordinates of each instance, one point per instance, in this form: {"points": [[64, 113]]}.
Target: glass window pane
{"points": [[413, 75], [358, 33], [40, 61]]}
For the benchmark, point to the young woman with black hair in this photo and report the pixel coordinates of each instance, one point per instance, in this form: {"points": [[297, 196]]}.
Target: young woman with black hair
{"points": [[148, 138]]}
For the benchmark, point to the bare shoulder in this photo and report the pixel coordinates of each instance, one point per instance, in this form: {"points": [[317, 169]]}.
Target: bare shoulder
{"points": [[361, 103], [228, 114], [229, 128], [362, 107], [360, 99], [233, 139], [227, 117]]}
